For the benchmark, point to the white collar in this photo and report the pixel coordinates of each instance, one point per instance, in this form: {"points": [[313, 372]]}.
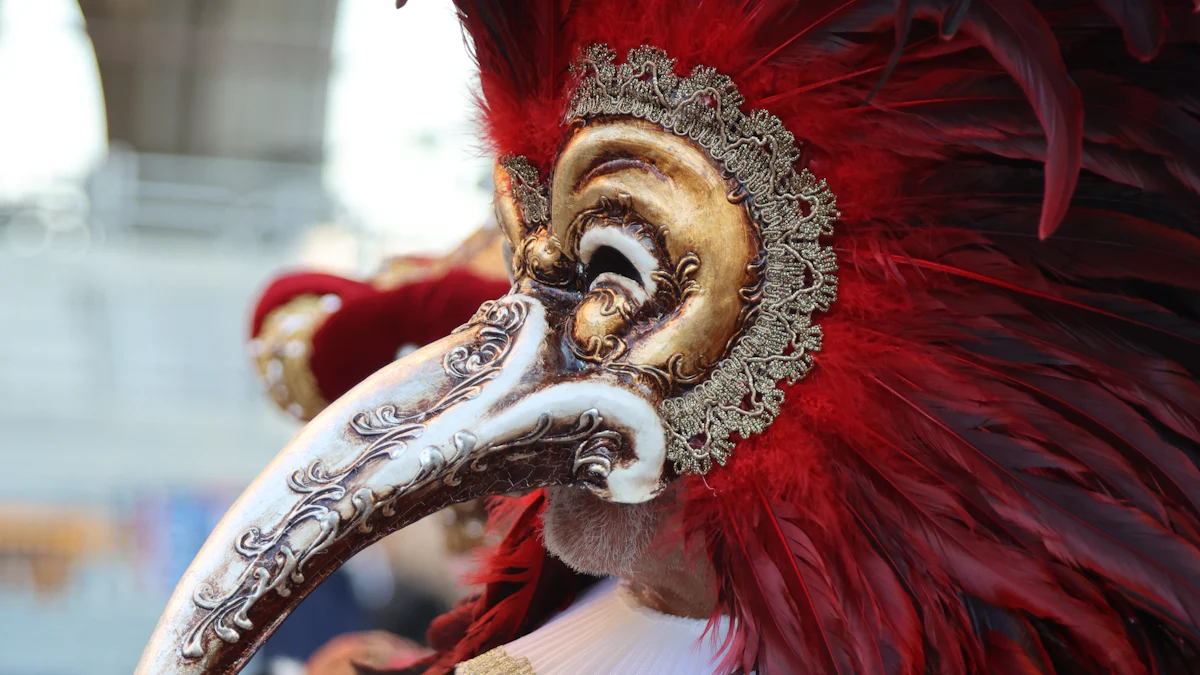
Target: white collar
{"points": [[607, 632]]}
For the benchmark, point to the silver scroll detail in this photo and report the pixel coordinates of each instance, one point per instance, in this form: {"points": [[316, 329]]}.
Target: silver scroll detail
{"points": [[273, 565]]}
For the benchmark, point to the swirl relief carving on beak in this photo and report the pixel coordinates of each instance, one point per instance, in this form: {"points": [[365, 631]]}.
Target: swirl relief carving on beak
{"points": [[491, 405]]}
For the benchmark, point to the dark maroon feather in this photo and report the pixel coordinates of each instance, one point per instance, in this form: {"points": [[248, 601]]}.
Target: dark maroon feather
{"points": [[1107, 415], [1021, 41], [1142, 21]]}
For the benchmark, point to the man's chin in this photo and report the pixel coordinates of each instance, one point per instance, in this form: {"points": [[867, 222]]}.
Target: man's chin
{"points": [[592, 536]]}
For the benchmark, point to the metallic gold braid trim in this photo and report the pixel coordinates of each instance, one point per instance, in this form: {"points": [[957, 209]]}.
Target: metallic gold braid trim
{"points": [[792, 210], [495, 662], [528, 189], [540, 254], [282, 353]]}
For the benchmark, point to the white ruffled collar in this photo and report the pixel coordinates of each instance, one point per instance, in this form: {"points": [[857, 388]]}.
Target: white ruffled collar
{"points": [[607, 632]]}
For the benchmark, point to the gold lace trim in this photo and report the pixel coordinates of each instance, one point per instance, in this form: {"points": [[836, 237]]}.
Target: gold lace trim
{"points": [[495, 662]]}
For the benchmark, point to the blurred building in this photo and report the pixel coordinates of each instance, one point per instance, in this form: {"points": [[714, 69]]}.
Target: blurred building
{"points": [[159, 160]]}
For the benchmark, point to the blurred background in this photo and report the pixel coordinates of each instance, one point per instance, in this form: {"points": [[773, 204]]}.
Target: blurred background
{"points": [[160, 161]]}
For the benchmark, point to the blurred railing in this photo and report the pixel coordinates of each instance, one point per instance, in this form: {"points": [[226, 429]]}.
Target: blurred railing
{"points": [[125, 393], [136, 198], [223, 200], [140, 290]]}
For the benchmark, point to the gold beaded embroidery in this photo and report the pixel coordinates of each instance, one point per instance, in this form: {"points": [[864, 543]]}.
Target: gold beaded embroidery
{"points": [[528, 189]]}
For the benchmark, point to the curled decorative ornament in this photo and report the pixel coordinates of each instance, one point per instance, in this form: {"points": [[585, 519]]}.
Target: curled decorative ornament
{"points": [[739, 395], [273, 565]]}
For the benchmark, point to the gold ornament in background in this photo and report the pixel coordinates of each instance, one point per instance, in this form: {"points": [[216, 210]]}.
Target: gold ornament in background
{"points": [[482, 254], [464, 526], [283, 351]]}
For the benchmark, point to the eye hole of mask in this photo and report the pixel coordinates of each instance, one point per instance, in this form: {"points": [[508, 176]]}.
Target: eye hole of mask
{"points": [[610, 260]]}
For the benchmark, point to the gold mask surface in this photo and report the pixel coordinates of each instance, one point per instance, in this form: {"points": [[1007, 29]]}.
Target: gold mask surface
{"points": [[690, 238], [630, 184]]}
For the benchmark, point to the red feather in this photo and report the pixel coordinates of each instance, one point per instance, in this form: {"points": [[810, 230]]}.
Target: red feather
{"points": [[1022, 42], [523, 586], [1007, 658], [1023, 494]]}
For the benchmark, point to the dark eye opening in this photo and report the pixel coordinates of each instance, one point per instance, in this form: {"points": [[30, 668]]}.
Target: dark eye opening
{"points": [[609, 259]]}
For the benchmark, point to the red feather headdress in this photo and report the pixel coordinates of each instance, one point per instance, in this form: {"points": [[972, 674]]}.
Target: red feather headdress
{"points": [[993, 466]]}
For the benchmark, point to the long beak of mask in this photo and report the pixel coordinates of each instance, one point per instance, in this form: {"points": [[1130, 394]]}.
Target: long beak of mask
{"points": [[489, 409], [639, 336]]}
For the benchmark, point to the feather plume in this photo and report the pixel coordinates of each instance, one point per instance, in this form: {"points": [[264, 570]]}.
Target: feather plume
{"points": [[993, 467]]}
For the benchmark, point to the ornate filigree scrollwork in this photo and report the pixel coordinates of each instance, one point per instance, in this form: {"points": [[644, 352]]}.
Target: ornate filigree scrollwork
{"points": [[679, 284], [610, 351], [595, 447], [275, 566], [675, 373], [272, 564], [614, 304], [608, 212], [539, 254], [673, 287]]}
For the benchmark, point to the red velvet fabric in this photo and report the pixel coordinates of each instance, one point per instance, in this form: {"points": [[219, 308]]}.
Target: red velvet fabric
{"points": [[289, 285], [372, 325]]}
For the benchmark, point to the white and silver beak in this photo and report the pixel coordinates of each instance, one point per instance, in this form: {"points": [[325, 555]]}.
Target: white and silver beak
{"points": [[497, 406]]}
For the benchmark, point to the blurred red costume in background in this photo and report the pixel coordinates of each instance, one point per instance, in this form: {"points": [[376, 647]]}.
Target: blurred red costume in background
{"points": [[315, 335]]}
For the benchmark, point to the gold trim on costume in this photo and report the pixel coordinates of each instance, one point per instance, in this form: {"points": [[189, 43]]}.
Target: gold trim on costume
{"points": [[283, 351], [495, 662]]}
